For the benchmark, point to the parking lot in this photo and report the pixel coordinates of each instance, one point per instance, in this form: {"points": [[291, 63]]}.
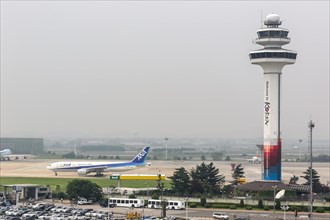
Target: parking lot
{"points": [[53, 212], [65, 211]]}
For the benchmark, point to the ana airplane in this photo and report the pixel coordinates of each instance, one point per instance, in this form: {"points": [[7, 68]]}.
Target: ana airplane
{"points": [[5, 154], [83, 168]]}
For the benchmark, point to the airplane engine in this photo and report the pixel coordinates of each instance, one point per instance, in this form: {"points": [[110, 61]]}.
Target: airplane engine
{"points": [[82, 172]]}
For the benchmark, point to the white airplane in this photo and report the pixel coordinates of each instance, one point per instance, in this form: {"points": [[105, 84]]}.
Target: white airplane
{"points": [[5, 154], [85, 167], [254, 159]]}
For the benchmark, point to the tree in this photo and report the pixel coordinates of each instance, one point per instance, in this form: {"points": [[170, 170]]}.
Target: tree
{"points": [[69, 155], [180, 181], [294, 179], [215, 180], [237, 173], [315, 179], [203, 158], [206, 179], [315, 176], [83, 188], [216, 156]]}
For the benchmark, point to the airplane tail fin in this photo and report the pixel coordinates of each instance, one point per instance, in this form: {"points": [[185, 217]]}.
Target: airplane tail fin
{"points": [[141, 157]]}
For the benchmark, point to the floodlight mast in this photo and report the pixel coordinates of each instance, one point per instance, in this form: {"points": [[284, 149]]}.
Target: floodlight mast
{"points": [[311, 125], [272, 58]]}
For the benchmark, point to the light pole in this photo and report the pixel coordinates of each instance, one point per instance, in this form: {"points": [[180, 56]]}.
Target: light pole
{"points": [[187, 205], [274, 187], [166, 139], [147, 185], [300, 140], [285, 208], [311, 125], [108, 203]]}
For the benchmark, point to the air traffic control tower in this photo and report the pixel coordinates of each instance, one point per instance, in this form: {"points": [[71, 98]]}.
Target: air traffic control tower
{"points": [[272, 58]]}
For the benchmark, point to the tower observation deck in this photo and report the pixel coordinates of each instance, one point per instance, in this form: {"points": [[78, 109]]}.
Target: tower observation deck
{"points": [[272, 58]]}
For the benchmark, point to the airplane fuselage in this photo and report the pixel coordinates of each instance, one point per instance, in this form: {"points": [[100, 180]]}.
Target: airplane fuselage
{"points": [[108, 166]]}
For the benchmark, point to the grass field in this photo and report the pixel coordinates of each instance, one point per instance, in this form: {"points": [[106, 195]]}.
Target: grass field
{"points": [[63, 182]]}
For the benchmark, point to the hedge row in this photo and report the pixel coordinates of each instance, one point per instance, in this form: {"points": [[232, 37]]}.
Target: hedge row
{"points": [[250, 207]]}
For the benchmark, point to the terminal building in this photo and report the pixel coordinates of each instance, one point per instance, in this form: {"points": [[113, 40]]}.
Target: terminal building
{"points": [[25, 191], [23, 145]]}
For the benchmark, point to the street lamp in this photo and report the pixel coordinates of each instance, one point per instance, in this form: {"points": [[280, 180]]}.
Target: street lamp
{"points": [[166, 139], [285, 208], [108, 203], [187, 205], [147, 190], [311, 125], [300, 140], [274, 187]]}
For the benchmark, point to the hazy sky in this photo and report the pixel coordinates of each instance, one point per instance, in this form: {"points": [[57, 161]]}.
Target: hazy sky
{"points": [[156, 68]]}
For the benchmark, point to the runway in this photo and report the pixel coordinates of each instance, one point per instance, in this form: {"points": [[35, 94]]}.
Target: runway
{"points": [[37, 168]]}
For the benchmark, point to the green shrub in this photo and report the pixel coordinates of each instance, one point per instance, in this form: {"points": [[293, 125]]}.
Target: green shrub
{"points": [[132, 196], [319, 210], [192, 205], [232, 206], [305, 209], [208, 205], [154, 196], [248, 208], [260, 204], [220, 206], [266, 208], [295, 208], [203, 201], [241, 203], [60, 195], [277, 204]]}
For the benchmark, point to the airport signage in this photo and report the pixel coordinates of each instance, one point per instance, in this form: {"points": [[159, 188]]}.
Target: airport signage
{"points": [[17, 188], [114, 177]]}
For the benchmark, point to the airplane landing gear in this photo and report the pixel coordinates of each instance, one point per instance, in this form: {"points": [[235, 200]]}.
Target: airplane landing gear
{"points": [[99, 174]]}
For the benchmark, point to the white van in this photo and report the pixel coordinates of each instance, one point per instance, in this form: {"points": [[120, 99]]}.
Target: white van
{"points": [[220, 215]]}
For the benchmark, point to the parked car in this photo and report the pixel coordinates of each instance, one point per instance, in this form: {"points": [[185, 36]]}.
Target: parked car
{"points": [[104, 204], [83, 201], [220, 215]]}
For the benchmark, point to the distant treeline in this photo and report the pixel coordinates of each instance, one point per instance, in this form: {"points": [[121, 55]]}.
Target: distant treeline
{"points": [[321, 158], [72, 155], [93, 148], [174, 150]]}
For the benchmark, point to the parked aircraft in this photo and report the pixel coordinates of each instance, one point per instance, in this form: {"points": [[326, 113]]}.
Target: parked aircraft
{"points": [[85, 167], [254, 159], [5, 154]]}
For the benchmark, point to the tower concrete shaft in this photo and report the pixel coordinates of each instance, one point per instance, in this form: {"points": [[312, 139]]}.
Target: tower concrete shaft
{"points": [[272, 58]]}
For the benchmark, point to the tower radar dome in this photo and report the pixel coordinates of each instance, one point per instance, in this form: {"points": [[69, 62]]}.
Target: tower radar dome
{"points": [[273, 19]]}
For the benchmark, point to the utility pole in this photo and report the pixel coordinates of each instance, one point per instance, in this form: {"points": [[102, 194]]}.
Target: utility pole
{"points": [[311, 125], [166, 139], [300, 140], [274, 187], [285, 208], [108, 203], [187, 205]]}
